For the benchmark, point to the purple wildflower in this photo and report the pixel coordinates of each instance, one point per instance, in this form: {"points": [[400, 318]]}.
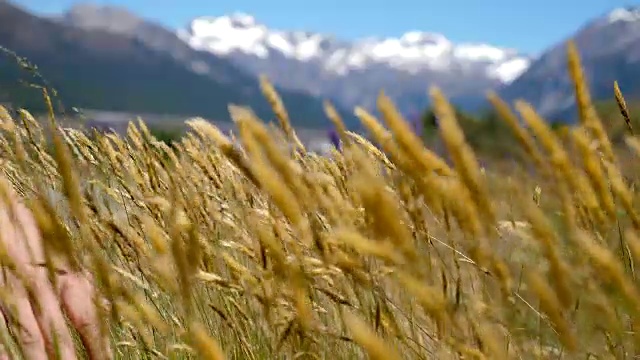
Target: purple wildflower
{"points": [[334, 138]]}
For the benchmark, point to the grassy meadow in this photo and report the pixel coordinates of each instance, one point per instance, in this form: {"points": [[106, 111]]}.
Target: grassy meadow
{"points": [[206, 250]]}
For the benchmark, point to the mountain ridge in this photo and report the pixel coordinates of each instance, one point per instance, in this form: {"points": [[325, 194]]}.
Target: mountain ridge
{"points": [[148, 72], [352, 73], [609, 47], [407, 52]]}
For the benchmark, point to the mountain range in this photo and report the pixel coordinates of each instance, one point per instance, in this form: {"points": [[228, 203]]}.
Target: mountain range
{"points": [[120, 62], [609, 48], [354, 72], [107, 57]]}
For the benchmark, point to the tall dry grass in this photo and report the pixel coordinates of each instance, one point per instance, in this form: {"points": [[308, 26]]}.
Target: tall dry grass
{"points": [[208, 250]]}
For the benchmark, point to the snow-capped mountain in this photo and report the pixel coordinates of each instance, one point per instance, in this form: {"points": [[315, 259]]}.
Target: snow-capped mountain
{"points": [[354, 72], [207, 68], [609, 47], [233, 49]]}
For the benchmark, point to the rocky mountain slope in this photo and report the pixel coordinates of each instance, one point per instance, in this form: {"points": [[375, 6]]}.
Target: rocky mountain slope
{"points": [[610, 50], [135, 66], [354, 72]]}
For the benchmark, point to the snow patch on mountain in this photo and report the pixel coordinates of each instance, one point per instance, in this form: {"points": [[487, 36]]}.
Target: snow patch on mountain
{"points": [[412, 52], [510, 70], [624, 14]]}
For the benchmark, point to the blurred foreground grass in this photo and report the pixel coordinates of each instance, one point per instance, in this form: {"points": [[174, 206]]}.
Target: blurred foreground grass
{"points": [[267, 252]]}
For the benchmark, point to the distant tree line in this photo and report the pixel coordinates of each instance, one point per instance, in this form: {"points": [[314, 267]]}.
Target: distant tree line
{"points": [[490, 136]]}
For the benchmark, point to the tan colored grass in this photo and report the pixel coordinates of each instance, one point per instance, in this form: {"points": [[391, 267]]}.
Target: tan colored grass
{"points": [[211, 250]]}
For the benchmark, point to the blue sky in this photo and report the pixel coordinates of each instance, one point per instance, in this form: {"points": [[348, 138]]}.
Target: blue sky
{"points": [[529, 26]]}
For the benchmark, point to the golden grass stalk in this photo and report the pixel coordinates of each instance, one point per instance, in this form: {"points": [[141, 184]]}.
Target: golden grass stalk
{"points": [[563, 169], [587, 112], [365, 337], [381, 136], [553, 308], [336, 120], [608, 268], [521, 134], [281, 112], [593, 167], [268, 177], [206, 347], [6, 121], [462, 155], [622, 106], [408, 141]]}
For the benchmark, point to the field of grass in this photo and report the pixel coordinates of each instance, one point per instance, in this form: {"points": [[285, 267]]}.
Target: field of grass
{"points": [[209, 251]]}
